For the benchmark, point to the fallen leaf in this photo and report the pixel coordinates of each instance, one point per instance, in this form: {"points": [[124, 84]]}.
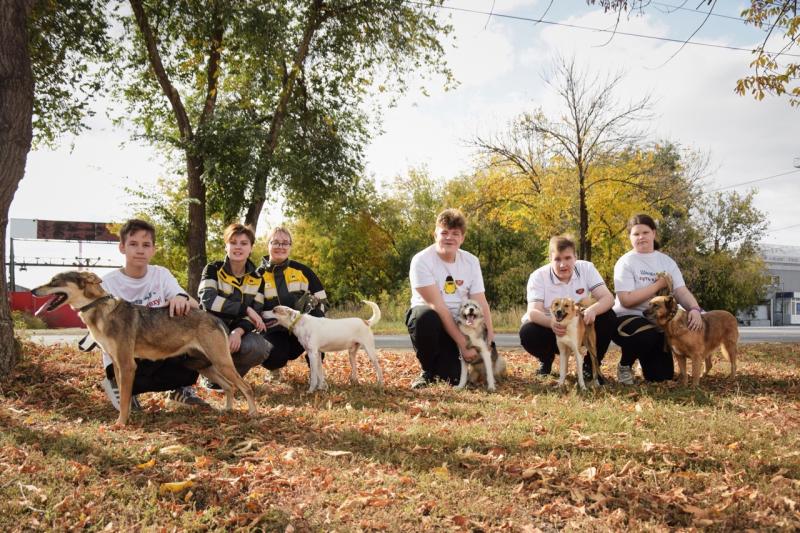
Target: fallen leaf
{"points": [[202, 461], [146, 466], [336, 453], [589, 474], [441, 471], [174, 486], [174, 449]]}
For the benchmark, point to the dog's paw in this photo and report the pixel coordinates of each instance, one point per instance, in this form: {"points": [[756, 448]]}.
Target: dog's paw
{"points": [[491, 389]]}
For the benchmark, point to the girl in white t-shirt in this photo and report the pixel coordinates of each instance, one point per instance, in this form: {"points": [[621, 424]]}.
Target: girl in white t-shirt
{"points": [[442, 276], [564, 277], [635, 283]]}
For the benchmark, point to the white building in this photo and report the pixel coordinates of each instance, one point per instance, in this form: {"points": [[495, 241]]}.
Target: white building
{"points": [[782, 306]]}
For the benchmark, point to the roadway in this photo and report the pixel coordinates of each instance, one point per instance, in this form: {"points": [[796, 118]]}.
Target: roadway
{"points": [[747, 335]]}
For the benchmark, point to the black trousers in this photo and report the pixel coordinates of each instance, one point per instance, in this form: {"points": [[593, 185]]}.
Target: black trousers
{"points": [[158, 376], [540, 341], [647, 346], [437, 352]]}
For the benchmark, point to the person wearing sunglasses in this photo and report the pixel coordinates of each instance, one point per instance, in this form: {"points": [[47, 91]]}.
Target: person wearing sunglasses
{"points": [[285, 282]]}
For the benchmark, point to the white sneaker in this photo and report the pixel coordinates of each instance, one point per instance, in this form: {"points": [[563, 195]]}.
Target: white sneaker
{"points": [[112, 391], [187, 396], [625, 375]]}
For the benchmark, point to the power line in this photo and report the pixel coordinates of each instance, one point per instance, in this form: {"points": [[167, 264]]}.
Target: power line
{"points": [[589, 28], [755, 180], [783, 228], [695, 10]]}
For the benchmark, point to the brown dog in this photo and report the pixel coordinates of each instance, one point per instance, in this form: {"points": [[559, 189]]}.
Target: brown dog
{"points": [[569, 313], [125, 331], [720, 329]]}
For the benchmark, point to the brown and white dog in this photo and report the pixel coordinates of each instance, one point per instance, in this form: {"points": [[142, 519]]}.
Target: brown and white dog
{"points": [[720, 329], [125, 331], [318, 334], [471, 323], [578, 335]]}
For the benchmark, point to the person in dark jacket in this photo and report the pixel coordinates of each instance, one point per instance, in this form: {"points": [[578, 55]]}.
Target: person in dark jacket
{"points": [[287, 282], [232, 291]]}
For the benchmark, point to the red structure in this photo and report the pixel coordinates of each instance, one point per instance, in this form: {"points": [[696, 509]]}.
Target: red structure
{"points": [[63, 317]]}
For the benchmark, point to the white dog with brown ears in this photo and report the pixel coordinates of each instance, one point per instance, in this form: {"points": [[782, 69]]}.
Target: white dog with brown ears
{"points": [[578, 335], [471, 323], [318, 334]]}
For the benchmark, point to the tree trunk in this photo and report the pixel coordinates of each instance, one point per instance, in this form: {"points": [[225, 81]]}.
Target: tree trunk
{"points": [[196, 244], [585, 245], [16, 133]]}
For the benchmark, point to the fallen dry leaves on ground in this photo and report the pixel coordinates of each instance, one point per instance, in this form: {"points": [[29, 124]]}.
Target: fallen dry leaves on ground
{"points": [[528, 458]]}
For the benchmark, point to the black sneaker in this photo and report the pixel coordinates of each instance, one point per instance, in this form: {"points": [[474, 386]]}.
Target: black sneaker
{"points": [[545, 367], [423, 380], [187, 396], [587, 373]]}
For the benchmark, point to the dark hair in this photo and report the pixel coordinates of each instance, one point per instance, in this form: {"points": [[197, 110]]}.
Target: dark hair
{"points": [[132, 226], [239, 229], [645, 220], [452, 219], [559, 243]]}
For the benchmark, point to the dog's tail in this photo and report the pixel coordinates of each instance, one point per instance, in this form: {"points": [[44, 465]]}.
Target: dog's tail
{"points": [[376, 313]]}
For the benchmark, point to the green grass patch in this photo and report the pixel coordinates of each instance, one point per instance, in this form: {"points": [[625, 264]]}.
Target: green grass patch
{"points": [[649, 457]]}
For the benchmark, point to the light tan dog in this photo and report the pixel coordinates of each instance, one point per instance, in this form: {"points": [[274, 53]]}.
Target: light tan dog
{"points": [[125, 331], [720, 329], [578, 335], [471, 323]]}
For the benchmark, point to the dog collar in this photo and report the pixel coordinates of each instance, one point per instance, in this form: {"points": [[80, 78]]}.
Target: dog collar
{"points": [[294, 322], [94, 303]]}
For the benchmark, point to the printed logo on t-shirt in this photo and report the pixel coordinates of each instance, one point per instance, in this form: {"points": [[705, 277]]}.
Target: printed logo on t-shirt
{"points": [[579, 291], [146, 300], [450, 285], [645, 276]]}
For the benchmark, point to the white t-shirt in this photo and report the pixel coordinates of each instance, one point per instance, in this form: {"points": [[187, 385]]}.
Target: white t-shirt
{"points": [[155, 289], [635, 270], [456, 281], [544, 286]]}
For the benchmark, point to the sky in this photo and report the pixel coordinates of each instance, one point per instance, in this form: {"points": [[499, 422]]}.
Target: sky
{"points": [[500, 63]]}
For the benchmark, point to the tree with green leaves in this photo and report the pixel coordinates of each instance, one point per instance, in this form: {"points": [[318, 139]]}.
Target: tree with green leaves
{"points": [[261, 97], [45, 87], [775, 72]]}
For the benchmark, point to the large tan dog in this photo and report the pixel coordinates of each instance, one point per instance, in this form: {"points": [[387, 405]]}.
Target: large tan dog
{"points": [[578, 335], [318, 334], [472, 324], [720, 329], [125, 331]]}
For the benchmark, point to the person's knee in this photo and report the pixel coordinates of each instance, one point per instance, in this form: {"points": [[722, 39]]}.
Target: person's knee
{"points": [[536, 341], [253, 350]]}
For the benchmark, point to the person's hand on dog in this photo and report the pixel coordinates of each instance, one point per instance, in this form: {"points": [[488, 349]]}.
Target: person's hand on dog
{"points": [[695, 320], [470, 355], [589, 314], [179, 306], [255, 318], [235, 340], [558, 328]]}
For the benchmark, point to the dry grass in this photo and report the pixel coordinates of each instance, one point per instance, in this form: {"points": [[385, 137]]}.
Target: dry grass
{"points": [[651, 457]]}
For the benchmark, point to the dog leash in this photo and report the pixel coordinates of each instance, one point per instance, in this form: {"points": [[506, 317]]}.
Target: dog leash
{"points": [[628, 321]]}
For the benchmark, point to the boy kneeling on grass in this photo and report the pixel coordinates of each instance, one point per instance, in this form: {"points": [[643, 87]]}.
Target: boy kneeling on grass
{"points": [[141, 283]]}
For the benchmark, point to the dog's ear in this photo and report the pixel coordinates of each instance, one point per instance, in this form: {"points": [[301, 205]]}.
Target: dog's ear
{"points": [[91, 285], [90, 278], [671, 303]]}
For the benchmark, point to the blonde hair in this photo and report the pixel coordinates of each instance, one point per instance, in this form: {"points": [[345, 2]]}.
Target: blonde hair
{"points": [[278, 229]]}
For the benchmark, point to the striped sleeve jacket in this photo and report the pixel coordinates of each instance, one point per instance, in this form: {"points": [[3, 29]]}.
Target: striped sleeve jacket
{"points": [[228, 297]]}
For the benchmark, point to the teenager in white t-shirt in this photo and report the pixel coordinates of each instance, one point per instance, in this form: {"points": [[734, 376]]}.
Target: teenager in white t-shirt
{"points": [[564, 277], [141, 283], [635, 283], [442, 276]]}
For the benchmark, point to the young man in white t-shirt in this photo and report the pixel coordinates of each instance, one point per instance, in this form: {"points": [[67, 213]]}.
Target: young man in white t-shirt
{"points": [[141, 283], [565, 277], [442, 276]]}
